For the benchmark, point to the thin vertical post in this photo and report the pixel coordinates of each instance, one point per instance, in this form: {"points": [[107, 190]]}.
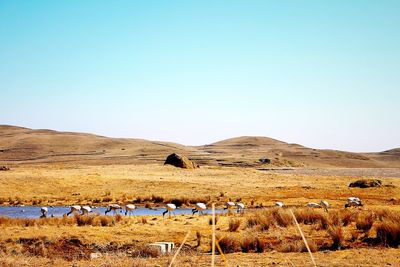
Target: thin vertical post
{"points": [[213, 236]]}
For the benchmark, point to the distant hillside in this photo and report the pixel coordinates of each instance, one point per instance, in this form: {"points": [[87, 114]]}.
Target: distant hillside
{"points": [[247, 150], [27, 145], [23, 145]]}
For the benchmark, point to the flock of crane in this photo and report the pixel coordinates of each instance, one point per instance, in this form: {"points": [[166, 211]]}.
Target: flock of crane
{"points": [[198, 207]]}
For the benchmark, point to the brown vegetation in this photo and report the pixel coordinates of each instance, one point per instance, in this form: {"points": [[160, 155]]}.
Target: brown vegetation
{"points": [[364, 222], [234, 225], [4, 168], [264, 229], [79, 220], [365, 183], [388, 233]]}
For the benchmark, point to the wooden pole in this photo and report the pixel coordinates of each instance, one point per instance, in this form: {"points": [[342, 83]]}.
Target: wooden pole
{"points": [[213, 236], [179, 249], [304, 238]]}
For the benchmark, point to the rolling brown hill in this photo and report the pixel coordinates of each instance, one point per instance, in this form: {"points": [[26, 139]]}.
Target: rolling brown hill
{"points": [[22, 145]]}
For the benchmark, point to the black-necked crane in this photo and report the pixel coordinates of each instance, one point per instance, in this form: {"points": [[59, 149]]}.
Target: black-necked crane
{"points": [[86, 210], [313, 205], [169, 208], [240, 208], [353, 199], [279, 204], [129, 208], [229, 205], [113, 207], [200, 208], [353, 202], [75, 208], [44, 211], [324, 204]]}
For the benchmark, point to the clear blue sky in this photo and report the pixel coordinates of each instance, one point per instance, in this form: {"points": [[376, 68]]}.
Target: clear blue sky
{"points": [[324, 74]]}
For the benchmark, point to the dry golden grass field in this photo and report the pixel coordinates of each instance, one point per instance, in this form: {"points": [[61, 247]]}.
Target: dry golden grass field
{"points": [[49, 168], [264, 236]]}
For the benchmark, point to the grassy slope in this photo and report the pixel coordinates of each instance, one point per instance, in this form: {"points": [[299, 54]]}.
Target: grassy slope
{"points": [[22, 145]]}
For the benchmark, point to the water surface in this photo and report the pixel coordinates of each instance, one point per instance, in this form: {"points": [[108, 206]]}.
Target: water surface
{"points": [[59, 211]]}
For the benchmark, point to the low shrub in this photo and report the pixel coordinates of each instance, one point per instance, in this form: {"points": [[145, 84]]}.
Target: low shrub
{"points": [[179, 201], [386, 214], [96, 200], [263, 221], [228, 244], [282, 217], [311, 216], [336, 234], [261, 245], [253, 244], [103, 220], [82, 220], [107, 199], [346, 217], [388, 233], [248, 244], [364, 222], [252, 221], [157, 199], [234, 225]]}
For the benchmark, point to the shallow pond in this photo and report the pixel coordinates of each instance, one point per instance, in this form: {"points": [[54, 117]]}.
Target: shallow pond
{"points": [[59, 211]]}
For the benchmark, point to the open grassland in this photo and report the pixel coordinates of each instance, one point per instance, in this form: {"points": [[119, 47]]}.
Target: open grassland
{"points": [[99, 185], [262, 236], [256, 238]]}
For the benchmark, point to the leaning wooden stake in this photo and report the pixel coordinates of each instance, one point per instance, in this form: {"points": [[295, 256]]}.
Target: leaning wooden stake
{"points": [[213, 236], [220, 251], [304, 238], [179, 249]]}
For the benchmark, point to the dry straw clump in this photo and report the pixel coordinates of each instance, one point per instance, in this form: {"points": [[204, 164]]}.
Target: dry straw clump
{"points": [[229, 244], [337, 236], [282, 218], [253, 244], [234, 225], [249, 244], [364, 222], [388, 233]]}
